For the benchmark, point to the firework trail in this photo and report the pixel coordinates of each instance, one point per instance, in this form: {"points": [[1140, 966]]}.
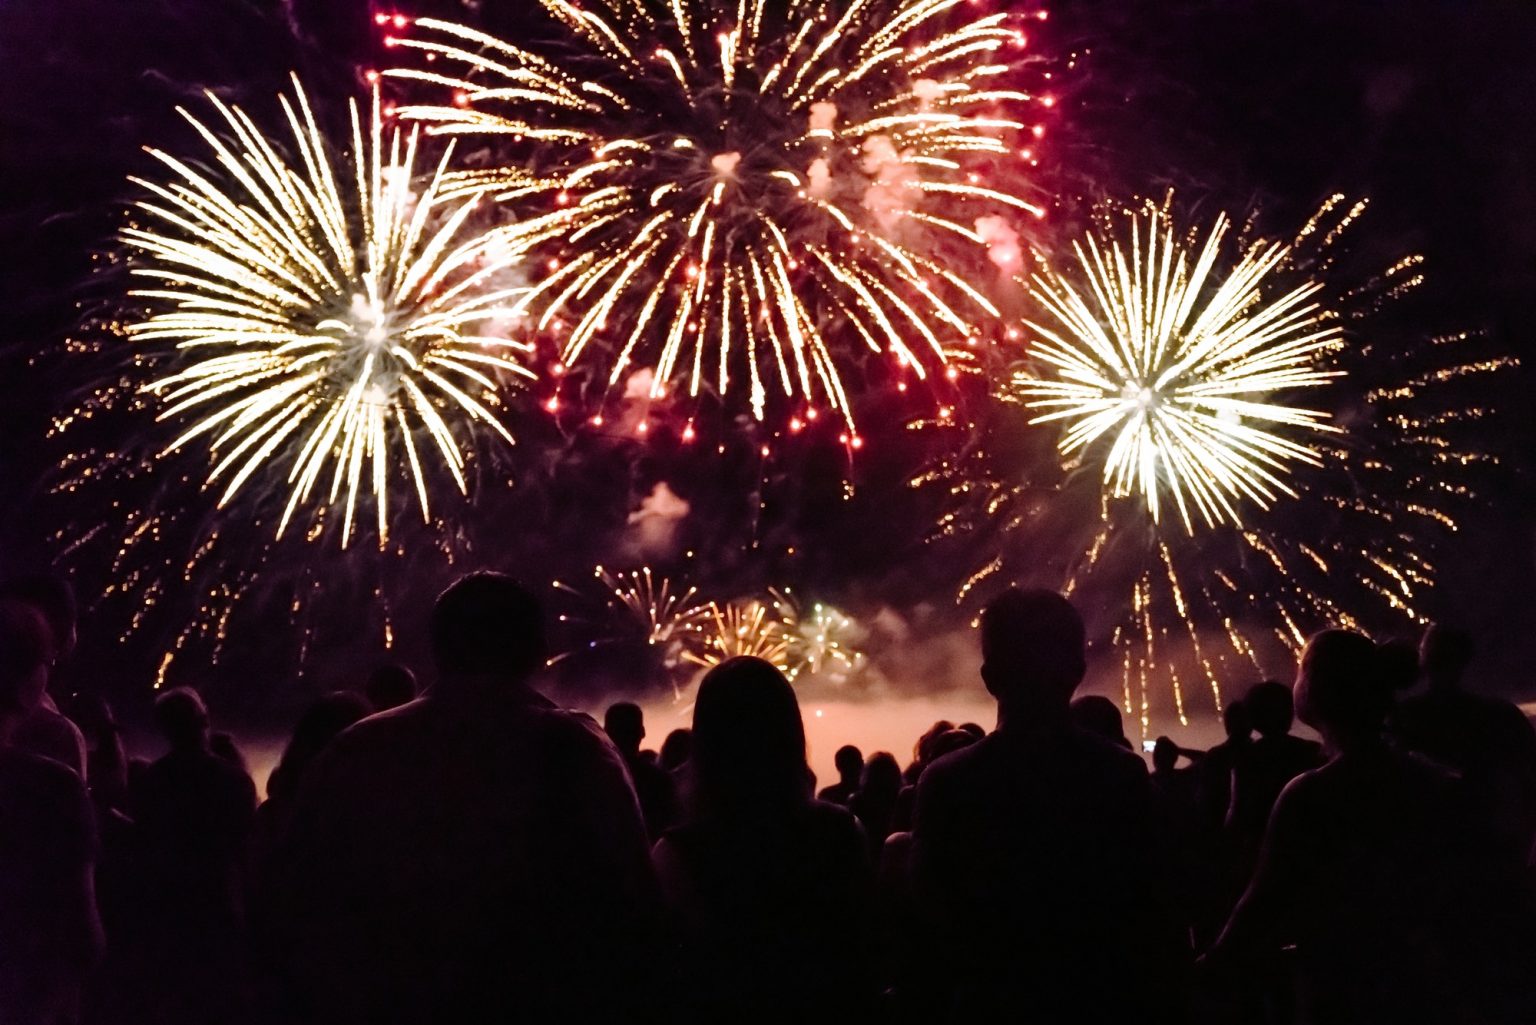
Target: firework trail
{"points": [[751, 192]]}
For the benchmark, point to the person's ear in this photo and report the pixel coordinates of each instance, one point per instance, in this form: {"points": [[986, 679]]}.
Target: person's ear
{"points": [[992, 678]]}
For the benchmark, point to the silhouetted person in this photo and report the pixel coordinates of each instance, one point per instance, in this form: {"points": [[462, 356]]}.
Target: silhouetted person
{"points": [[321, 723], [1361, 867], [1096, 714], [875, 802], [624, 723], [476, 855], [49, 931], [849, 762], [46, 731], [192, 809], [768, 888], [1034, 850], [922, 750], [675, 750], [1486, 740], [1271, 761], [390, 686], [106, 757], [1221, 759]]}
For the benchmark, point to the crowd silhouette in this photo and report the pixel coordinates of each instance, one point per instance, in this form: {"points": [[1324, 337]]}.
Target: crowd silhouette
{"points": [[470, 852]]}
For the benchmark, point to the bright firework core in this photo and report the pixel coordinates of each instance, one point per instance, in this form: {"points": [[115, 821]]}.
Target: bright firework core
{"points": [[322, 319], [1141, 344]]}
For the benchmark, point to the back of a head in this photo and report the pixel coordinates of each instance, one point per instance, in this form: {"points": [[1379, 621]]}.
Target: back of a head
{"points": [[1271, 708], [1237, 720], [390, 686], [1033, 646], [1444, 653], [488, 625], [54, 600], [24, 649], [676, 749], [748, 737], [624, 723], [1165, 754], [955, 740], [849, 762], [1341, 688], [1096, 714], [325, 718], [182, 718], [882, 775]]}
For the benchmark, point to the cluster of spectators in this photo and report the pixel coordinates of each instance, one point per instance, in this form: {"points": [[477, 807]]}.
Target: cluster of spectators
{"points": [[478, 854]]}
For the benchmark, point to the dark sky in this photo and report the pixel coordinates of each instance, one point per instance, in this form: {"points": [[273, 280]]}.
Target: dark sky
{"points": [[1428, 106]]}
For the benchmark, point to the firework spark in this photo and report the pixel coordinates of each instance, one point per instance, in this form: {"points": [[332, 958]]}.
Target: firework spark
{"points": [[743, 188], [668, 621], [826, 644], [759, 627], [1308, 516], [1189, 375], [322, 312]]}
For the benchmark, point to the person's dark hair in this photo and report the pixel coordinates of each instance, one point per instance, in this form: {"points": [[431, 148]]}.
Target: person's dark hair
{"points": [[488, 624], [1165, 754], [1033, 639], [920, 750], [1445, 652], [975, 729], [325, 718], [52, 597], [882, 775], [1271, 708], [1398, 661], [624, 723], [1342, 689], [24, 648], [1096, 714], [748, 740], [954, 740], [849, 761], [676, 749], [182, 718], [390, 686], [1237, 720]]}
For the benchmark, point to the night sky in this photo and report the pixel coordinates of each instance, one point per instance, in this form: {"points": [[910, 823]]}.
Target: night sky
{"points": [[1427, 106]]}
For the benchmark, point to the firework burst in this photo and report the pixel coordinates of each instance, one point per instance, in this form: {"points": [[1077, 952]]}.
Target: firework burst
{"points": [[665, 623], [1316, 450], [751, 191], [760, 627], [326, 320]]}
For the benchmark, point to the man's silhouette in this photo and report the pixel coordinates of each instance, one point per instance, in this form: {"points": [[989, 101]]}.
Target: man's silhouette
{"points": [[1033, 849], [624, 723], [476, 855], [1267, 765], [849, 762], [1486, 740], [193, 811], [46, 731], [49, 931], [1216, 768]]}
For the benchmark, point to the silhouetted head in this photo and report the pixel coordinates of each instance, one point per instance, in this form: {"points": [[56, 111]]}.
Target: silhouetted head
{"points": [[1237, 720], [1444, 653], [849, 761], [748, 740], [1165, 754], [1270, 708], [54, 600], [921, 751], [975, 729], [25, 645], [223, 745], [1033, 651], [183, 719], [882, 775], [1096, 714], [954, 740], [1341, 689], [676, 749], [320, 724], [487, 627], [625, 726], [390, 686]]}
